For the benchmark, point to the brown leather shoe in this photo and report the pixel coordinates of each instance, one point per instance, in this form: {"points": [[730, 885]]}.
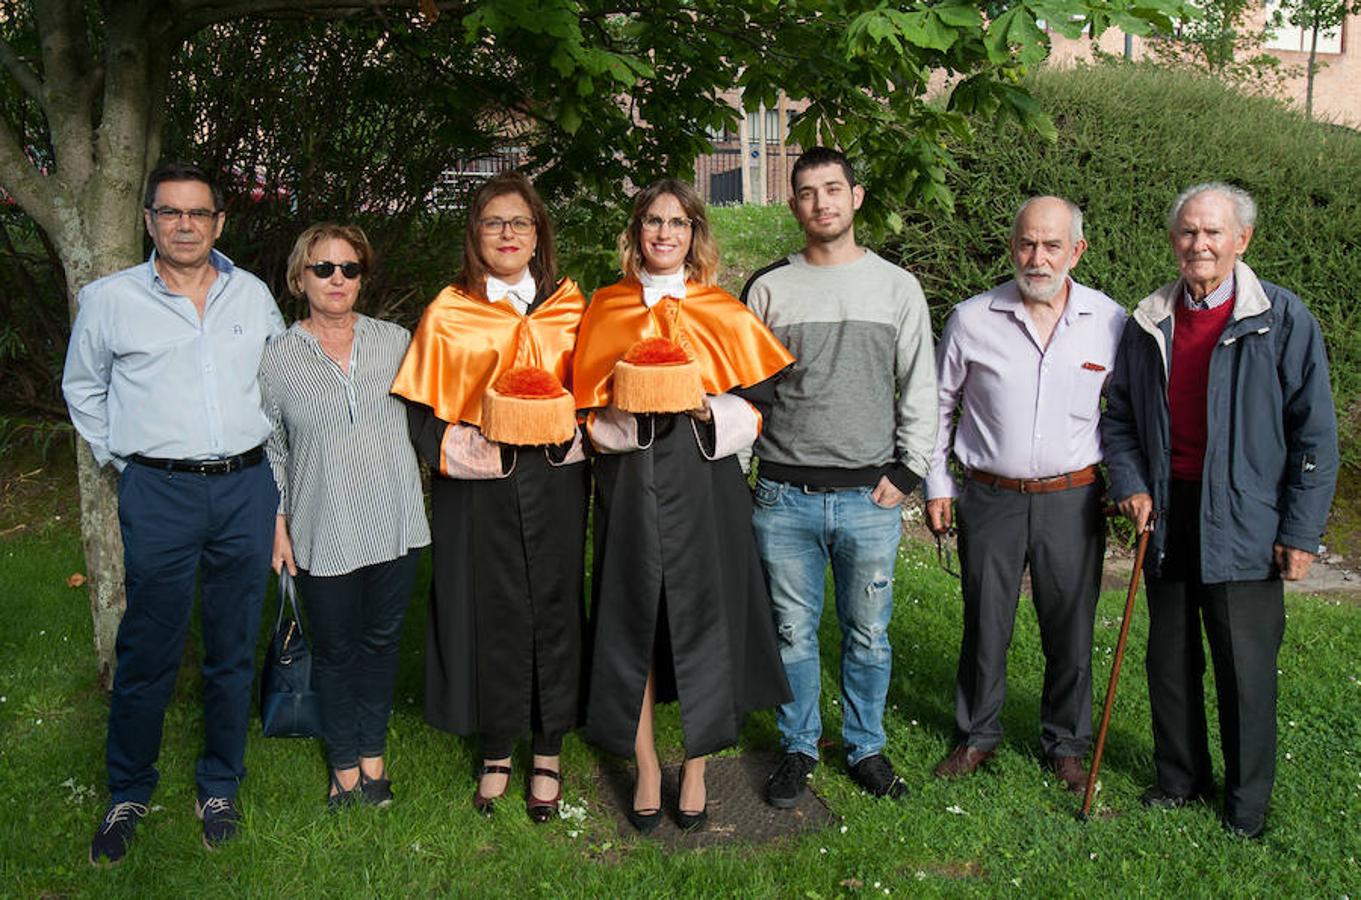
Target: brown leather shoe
{"points": [[963, 760], [1070, 771]]}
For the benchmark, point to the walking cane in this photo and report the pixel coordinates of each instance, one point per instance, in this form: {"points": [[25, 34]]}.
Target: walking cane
{"points": [[1115, 669]]}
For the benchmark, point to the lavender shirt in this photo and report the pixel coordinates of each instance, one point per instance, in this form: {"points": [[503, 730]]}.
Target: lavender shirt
{"points": [[1025, 412]]}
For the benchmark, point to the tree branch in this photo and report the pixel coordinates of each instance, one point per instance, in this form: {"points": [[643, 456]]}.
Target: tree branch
{"points": [[67, 60], [25, 76], [198, 13], [65, 44], [23, 182]]}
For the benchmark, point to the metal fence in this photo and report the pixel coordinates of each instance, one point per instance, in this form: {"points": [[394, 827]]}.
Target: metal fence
{"points": [[718, 174]]}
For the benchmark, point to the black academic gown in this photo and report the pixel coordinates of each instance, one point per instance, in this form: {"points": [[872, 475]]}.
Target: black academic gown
{"points": [[504, 636], [677, 578]]}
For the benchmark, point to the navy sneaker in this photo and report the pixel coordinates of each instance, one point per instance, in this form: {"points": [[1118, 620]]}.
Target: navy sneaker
{"points": [[115, 831], [220, 818]]}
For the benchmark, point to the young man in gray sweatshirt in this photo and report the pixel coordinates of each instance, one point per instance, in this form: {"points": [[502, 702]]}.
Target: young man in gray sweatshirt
{"points": [[849, 437]]}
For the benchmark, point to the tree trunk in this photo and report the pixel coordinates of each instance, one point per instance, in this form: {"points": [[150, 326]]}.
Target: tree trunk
{"points": [[90, 248], [103, 545], [1309, 74]]}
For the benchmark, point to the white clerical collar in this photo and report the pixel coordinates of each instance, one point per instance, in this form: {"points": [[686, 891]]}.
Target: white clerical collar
{"points": [[520, 294], [655, 287]]}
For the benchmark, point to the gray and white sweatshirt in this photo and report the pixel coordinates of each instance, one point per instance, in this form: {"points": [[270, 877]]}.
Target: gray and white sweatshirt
{"points": [[860, 402]]}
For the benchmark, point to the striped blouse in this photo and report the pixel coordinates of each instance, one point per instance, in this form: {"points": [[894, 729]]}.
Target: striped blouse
{"points": [[347, 474]]}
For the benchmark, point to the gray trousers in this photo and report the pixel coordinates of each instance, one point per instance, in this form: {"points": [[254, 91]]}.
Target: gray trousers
{"points": [[1061, 536]]}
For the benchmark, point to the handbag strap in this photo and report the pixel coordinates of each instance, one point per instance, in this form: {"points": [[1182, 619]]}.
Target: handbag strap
{"points": [[288, 596]]}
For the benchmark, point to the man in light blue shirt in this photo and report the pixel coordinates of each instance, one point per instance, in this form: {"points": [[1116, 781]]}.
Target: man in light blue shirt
{"points": [[160, 379]]}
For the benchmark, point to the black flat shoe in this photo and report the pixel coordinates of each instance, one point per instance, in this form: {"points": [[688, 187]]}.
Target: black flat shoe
{"points": [[542, 810], [487, 805], [341, 798], [375, 791]]}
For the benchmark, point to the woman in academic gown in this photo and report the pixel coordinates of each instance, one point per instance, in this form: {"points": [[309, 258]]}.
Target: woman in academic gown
{"points": [[680, 609], [504, 635]]}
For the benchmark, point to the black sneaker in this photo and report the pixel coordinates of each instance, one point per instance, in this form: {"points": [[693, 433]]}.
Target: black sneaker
{"points": [[876, 775], [789, 780], [220, 818], [115, 831]]}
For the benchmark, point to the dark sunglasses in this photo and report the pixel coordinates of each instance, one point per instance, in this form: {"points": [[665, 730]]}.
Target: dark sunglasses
{"points": [[351, 270]]}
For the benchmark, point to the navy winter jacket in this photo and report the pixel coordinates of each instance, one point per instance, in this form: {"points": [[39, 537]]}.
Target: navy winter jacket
{"points": [[1271, 449]]}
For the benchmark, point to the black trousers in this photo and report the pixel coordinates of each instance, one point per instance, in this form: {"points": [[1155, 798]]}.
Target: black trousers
{"points": [[1244, 624], [355, 622], [1061, 536]]}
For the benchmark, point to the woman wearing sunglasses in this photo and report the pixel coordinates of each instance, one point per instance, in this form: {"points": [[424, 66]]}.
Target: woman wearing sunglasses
{"points": [[504, 636], [680, 610], [351, 516]]}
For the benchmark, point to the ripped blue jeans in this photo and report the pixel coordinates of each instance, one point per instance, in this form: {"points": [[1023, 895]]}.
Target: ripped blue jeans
{"points": [[797, 534]]}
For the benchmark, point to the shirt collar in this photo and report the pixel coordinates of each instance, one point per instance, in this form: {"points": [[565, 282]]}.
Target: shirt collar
{"points": [[1007, 298], [520, 293], [1212, 299], [217, 258], [655, 287]]}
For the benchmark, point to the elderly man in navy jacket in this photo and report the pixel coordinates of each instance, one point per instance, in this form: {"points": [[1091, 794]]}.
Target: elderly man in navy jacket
{"points": [[1220, 420]]}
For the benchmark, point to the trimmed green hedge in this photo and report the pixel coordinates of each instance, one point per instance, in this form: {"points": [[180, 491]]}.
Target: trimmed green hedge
{"points": [[1130, 137]]}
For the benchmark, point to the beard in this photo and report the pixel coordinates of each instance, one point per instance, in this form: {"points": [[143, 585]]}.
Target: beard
{"points": [[1041, 291], [832, 236]]}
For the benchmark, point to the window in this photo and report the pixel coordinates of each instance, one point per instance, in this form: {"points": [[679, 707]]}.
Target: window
{"points": [[1291, 37]]}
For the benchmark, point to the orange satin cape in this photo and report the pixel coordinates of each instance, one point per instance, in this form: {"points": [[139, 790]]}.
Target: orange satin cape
{"points": [[732, 346], [463, 344]]}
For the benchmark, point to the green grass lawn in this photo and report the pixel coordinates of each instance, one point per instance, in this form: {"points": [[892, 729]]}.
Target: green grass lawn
{"points": [[1008, 830]]}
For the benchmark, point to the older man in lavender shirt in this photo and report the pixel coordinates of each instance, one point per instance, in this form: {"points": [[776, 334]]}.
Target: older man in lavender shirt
{"points": [[1026, 363]]}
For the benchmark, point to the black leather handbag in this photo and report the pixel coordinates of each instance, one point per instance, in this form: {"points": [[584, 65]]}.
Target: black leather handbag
{"points": [[289, 707]]}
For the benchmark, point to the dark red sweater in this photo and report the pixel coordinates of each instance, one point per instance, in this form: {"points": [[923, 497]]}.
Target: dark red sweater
{"points": [[1193, 340]]}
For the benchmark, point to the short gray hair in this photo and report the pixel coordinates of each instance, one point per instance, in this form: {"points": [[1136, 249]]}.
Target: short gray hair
{"points": [[1074, 212], [1244, 207]]}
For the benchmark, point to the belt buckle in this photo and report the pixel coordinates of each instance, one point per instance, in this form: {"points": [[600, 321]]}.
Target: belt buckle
{"points": [[1021, 486]]}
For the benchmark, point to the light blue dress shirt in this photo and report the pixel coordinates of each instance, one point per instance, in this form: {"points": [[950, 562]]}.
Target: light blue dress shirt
{"points": [[145, 375]]}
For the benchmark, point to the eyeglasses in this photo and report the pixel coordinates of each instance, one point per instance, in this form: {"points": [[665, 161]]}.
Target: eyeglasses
{"points": [[171, 214], [519, 225], [351, 270], [945, 553], [676, 223]]}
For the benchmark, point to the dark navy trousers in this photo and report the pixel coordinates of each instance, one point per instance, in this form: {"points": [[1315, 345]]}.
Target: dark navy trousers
{"points": [[181, 530], [356, 628]]}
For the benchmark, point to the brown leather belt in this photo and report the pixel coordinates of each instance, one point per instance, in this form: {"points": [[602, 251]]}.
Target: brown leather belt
{"points": [[1080, 478]]}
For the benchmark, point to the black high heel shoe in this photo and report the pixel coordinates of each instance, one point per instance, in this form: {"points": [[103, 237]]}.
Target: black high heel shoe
{"points": [[542, 810], [690, 821], [645, 820], [487, 805]]}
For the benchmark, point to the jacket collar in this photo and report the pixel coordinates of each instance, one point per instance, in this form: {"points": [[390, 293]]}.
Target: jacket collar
{"points": [[1249, 299]]}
